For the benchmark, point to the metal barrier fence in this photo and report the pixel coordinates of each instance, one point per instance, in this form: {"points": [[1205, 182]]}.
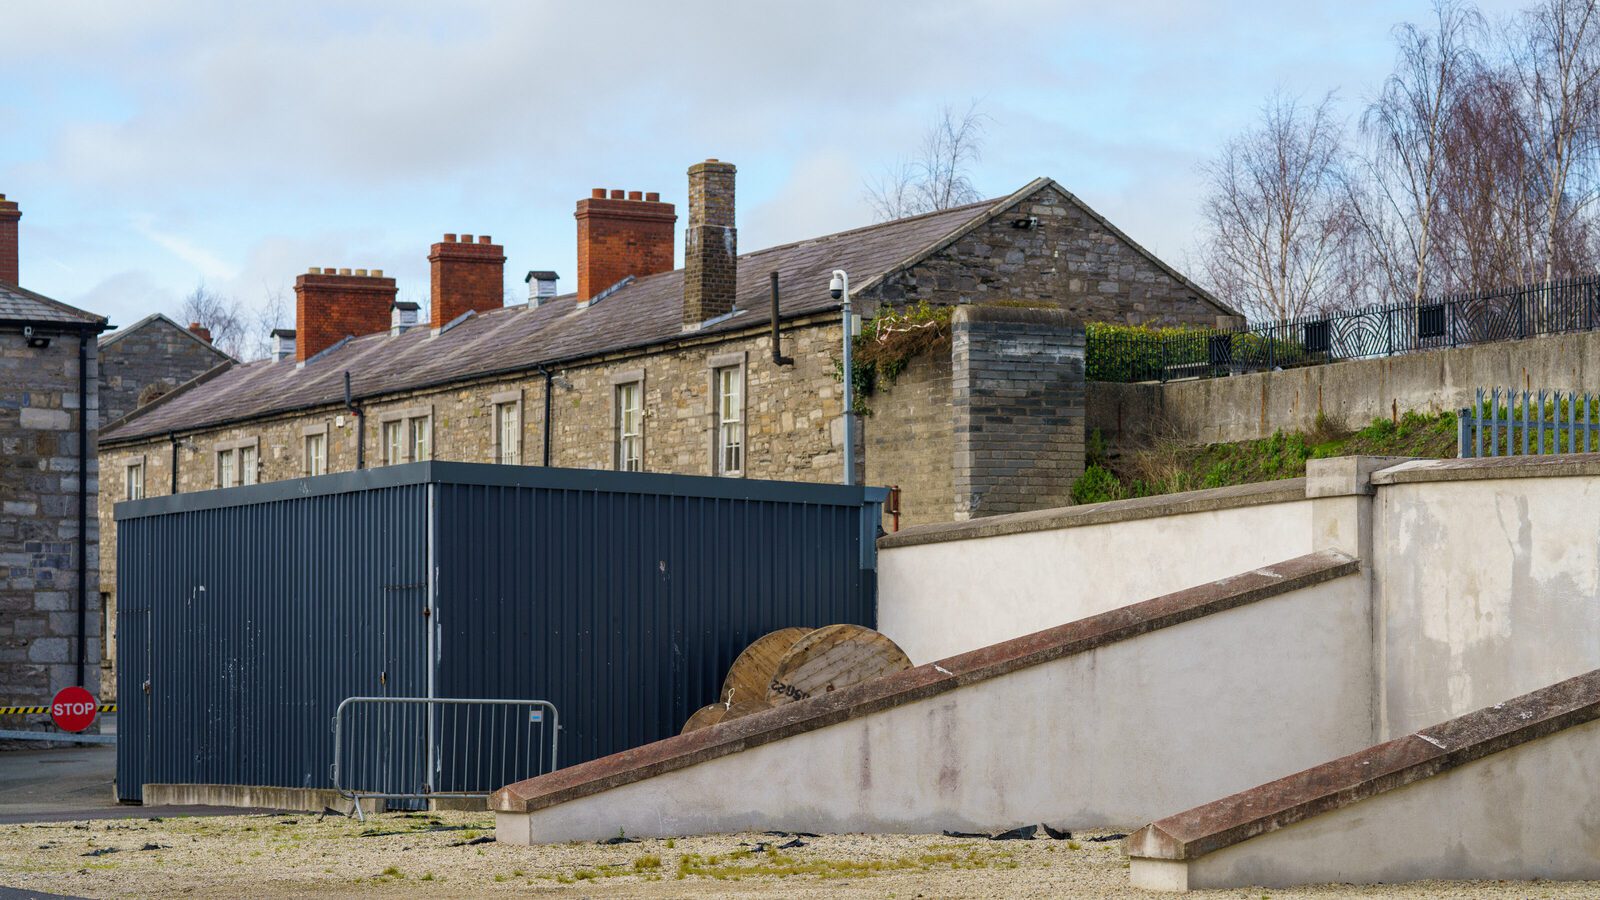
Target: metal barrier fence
{"points": [[1547, 414], [419, 748], [1453, 320]]}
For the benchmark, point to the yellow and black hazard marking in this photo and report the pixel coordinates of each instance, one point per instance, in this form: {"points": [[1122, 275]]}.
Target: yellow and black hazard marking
{"points": [[41, 710]]}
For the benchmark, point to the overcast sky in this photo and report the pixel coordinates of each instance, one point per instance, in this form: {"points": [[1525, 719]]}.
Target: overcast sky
{"points": [[156, 144]]}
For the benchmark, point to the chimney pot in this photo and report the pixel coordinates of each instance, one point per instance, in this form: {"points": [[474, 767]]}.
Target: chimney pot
{"points": [[652, 197], [635, 195], [314, 270], [466, 277], [326, 310], [449, 238], [377, 273], [200, 332], [615, 240], [361, 272]]}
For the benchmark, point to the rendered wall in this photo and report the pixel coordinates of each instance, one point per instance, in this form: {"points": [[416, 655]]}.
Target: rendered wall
{"points": [[1487, 589], [949, 596], [1110, 736], [1530, 812]]}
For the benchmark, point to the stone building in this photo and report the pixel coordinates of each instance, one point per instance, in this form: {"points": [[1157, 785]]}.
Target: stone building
{"points": [[143, 361], [687, 370], [49, 565]]}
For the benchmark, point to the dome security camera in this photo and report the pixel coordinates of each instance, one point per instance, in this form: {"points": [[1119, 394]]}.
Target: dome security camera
{"points": [[836, 286]]}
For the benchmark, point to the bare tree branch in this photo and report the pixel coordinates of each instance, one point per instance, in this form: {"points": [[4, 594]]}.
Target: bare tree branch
{"points": [[939, 176]]}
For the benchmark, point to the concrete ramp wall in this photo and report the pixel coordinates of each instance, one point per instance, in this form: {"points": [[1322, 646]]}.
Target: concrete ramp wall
{"points": [[956, 586], [1488, 581], [1109, 720], [1508, 792]]}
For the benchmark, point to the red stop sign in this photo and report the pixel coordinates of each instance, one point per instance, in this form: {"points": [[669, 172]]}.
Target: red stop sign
{"points": [[73, 709]]}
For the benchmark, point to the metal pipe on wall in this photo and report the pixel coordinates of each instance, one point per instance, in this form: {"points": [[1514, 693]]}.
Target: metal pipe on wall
{"points": [[83, 503]]}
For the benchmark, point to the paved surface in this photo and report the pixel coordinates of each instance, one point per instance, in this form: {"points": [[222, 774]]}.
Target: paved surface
{"points": [[74, 783]]}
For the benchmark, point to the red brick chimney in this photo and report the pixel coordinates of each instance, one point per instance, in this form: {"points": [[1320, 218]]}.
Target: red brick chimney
{"points": [[618, 237], [331, 304], [466, 275], [710, 244], [9, 214], [200, 331]]}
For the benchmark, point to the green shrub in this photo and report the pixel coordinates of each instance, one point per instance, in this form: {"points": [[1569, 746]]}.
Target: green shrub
{"points": [[1144, 353], [1097, 484]]}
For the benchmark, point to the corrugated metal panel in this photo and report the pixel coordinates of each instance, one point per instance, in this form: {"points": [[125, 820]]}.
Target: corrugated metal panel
{"points": [[622, 597]]}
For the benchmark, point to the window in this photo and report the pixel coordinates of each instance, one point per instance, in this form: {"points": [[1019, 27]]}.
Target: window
{"points": [[227, 467], [419, 437], [630, 427], [135, 480], [508, 429], [406, 436], [393, 449], [248, 470], [317, 453], [729, 387]]}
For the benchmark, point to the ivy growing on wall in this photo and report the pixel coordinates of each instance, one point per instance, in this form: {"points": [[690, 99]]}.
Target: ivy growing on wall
{"points": [[887, 344]]}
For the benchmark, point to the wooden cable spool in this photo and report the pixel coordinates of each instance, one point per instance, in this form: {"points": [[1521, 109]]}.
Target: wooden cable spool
{"points": [[704, 717], [831, 658], [744, 691], [751, 673]]}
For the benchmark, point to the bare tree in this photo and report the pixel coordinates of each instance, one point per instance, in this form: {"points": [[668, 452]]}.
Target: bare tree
{"points": [[1555, 53], [219, 315], [938, 176], [1275, 217], [272, 314], [1396, 199]]}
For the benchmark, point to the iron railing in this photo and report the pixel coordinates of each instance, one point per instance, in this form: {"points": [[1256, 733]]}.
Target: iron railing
{"points": [[1453, 320], [1528, 424], [420, 748]]}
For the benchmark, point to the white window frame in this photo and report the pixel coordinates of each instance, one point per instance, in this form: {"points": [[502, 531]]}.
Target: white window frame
{"points": [[623, 439], [505, 424], [318, 435], [729, 420], [406, 435], [133, 479], [231, 455]]}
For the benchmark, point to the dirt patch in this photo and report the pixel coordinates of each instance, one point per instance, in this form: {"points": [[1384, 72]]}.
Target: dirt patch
{"points": [[445, 855]]}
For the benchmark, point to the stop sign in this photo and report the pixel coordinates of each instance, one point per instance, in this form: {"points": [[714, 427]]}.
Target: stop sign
{"points": [[73, 709]]}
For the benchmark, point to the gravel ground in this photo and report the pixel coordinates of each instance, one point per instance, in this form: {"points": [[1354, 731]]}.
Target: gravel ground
{"points": [[446, 855]]}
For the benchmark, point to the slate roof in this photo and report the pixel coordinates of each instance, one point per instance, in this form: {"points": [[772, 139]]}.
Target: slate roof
{"points": [[22, 305], [107, 340], [644, 312]]}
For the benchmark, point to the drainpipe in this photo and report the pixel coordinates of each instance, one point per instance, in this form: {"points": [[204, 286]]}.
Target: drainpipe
{"points": [[173, 437], [83, 503], [777, 348], [549, 383], [361, 423]]}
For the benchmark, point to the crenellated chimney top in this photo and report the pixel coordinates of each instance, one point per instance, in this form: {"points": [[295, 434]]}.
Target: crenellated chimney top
{"points": [[627, 233], [467, 274], [331, 304]]}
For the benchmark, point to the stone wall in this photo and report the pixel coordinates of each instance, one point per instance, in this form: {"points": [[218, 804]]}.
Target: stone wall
{"points": [[1017, 394], [39, 477], [1071, 257], [1350, 394], [910, 436], [158, 356]]}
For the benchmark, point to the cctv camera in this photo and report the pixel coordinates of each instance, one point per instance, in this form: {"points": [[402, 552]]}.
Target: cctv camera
{"points": [[836, 287], [27, 331]]}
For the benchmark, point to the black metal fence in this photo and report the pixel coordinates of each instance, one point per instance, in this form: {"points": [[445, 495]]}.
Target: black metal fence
{"points": [[1453, 320]]}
